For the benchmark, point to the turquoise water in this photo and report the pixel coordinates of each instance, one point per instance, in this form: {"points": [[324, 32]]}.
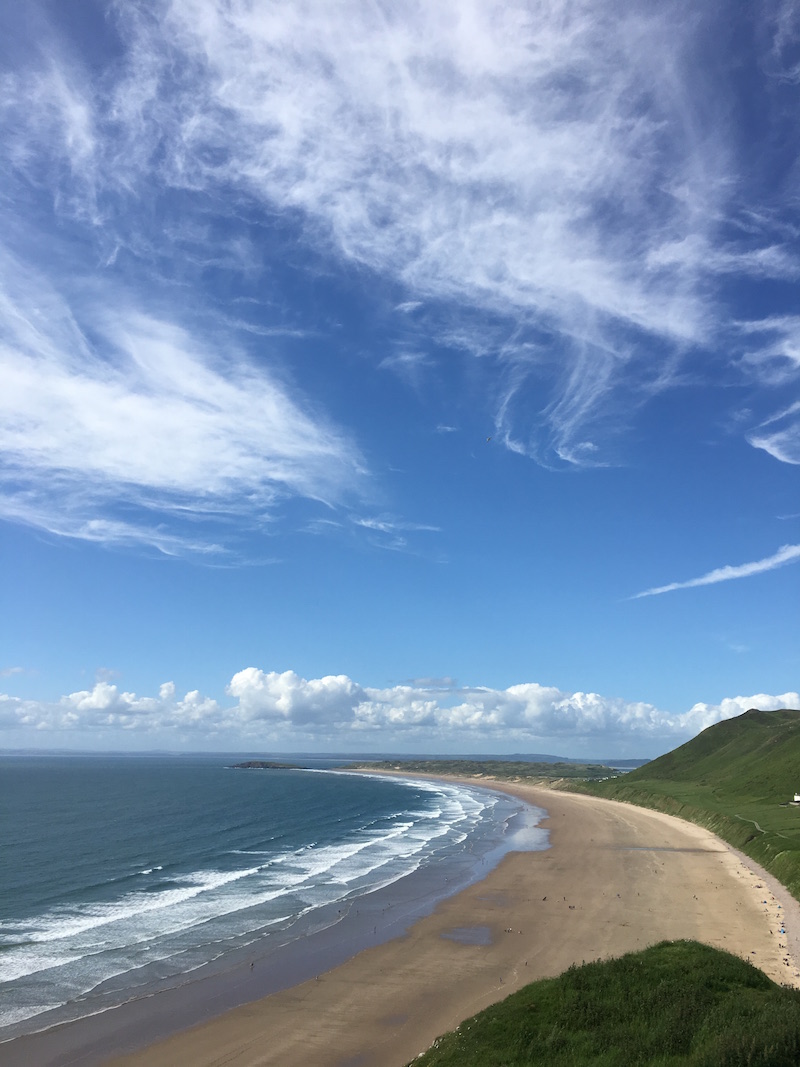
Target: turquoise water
{"points": [[122, 875]]}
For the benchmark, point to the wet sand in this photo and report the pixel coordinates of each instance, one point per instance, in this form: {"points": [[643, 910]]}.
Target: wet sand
{"points": [[616, 879]]}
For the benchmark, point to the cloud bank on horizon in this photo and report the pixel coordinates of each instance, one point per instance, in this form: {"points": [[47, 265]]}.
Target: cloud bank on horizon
{"points": [[286, 711], [456, 309]]}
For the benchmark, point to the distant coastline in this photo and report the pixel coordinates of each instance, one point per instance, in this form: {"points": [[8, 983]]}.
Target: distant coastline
{"points": [[265, 765]]}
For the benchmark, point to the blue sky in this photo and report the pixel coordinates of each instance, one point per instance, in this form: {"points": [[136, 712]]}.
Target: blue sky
{"points": [[397, 376]]}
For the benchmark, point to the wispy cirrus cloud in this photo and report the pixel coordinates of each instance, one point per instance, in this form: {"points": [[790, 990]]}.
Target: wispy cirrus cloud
{"points": [[780, 435], [784, 555], [779, 346], [783, 25], [385, 525], [546, 167], [135, 430], [547, 171], [772, 358], [513, 162], [390, 532], [408, 364]]}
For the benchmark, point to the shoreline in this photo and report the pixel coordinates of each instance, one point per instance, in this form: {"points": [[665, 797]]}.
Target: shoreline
{"points": [[275, 960], [616, 878]]}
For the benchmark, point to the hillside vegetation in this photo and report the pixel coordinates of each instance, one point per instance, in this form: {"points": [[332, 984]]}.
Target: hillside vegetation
{"points": [[737, 778], [674, 1003], [510, 770]]}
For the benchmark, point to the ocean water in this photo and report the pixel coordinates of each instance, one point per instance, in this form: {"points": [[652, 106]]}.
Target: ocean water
{"points": [[122, 876]]}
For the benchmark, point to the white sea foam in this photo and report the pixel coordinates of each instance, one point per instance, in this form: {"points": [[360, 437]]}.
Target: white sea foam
{"points": [[67, 952], [63, 924], [204, 896]]}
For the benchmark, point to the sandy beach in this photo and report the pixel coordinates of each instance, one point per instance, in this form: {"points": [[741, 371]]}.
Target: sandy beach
{"points": [[616, 878]]}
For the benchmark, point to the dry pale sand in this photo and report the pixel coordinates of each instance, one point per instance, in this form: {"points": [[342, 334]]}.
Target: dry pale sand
{"points": [[617, 878]]}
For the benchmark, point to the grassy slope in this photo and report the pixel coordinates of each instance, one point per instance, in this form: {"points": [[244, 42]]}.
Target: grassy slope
{"points": [[680, 1003], [736, 778], [674, 1003]]}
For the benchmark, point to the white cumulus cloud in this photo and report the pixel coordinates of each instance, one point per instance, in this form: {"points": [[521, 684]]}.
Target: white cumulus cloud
{"points": [[700, 716], [289, 697], [283, 709]]}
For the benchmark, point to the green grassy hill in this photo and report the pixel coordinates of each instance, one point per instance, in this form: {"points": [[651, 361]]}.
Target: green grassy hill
{"points": [[676, 1003], [738, 778], [757, 753]]}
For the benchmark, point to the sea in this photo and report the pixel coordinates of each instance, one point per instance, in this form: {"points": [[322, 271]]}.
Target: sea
{"points": [[125, 876]]}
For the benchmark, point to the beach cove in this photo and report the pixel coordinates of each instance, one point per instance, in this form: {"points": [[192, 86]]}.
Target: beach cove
{"points": [[616, 879]]}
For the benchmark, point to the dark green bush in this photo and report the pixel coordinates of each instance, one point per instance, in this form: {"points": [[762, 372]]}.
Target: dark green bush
{"points": [[677, 1003]]}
